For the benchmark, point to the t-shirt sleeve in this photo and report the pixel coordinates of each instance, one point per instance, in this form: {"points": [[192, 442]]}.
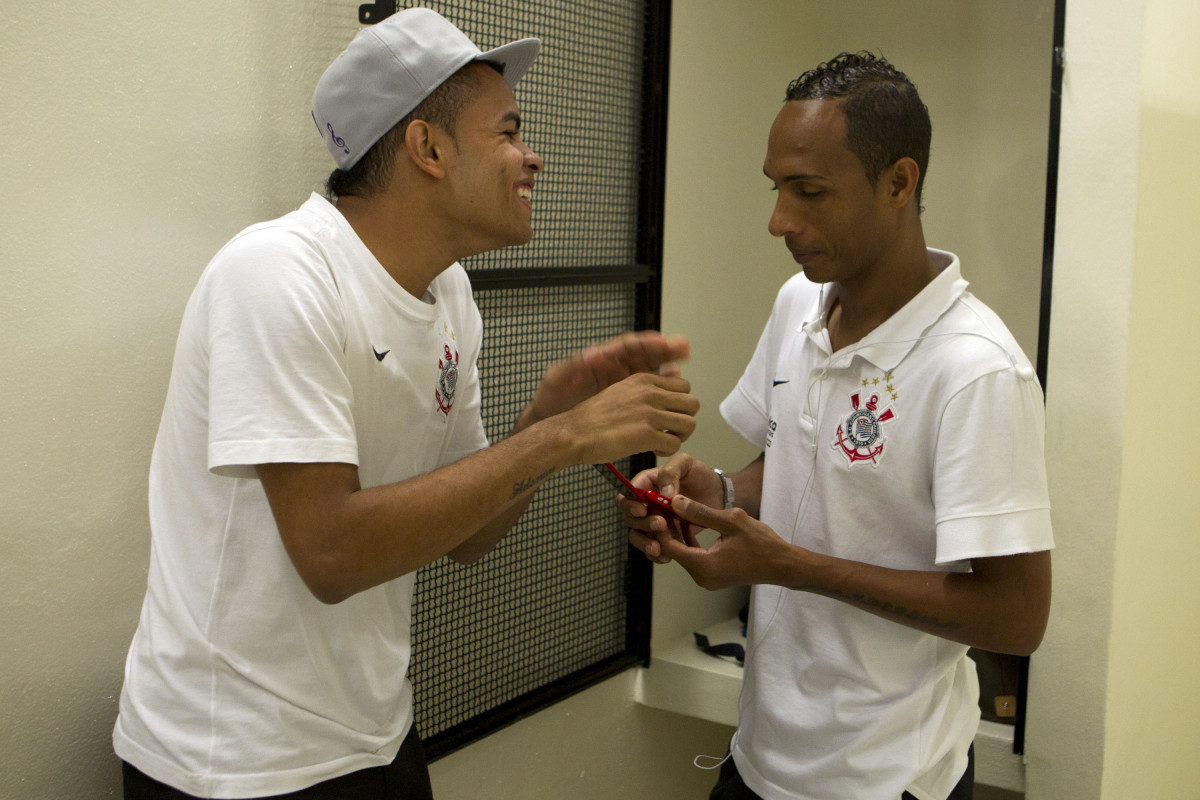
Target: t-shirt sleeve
{"points": [[275, 337], [989, 489]]}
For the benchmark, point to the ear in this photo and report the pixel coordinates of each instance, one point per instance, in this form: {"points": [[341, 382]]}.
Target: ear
{"points": [[427, 147], [900, 182]]}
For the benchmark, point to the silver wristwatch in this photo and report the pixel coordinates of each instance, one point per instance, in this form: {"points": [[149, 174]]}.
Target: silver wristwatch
{"points": [[726, 488]]}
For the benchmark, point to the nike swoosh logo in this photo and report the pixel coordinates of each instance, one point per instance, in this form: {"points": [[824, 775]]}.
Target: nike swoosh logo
{"points": [[778, 383], [378, 355]]}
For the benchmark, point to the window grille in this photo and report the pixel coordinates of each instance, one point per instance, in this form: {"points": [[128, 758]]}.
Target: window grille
{"points": [[562, 602]]}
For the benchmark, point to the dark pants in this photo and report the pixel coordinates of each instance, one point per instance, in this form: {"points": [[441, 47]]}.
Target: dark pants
{"points": [[730, 785], [406, 778]]}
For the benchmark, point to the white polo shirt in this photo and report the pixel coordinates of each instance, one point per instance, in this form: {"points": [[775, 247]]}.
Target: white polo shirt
{"points": [[917, 448]]}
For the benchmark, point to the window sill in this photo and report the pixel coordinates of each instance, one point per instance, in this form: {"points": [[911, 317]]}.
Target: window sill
{"points": [[683, 680]]}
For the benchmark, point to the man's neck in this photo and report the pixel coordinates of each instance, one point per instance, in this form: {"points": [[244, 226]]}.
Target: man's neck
{"points": [[859, 307], [404, 241]]}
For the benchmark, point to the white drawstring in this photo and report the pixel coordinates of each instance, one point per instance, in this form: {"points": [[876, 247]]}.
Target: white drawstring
{"points": [[696, 761]]}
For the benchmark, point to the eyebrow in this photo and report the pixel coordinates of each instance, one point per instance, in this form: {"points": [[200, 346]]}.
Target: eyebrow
{"points": [[801, 176], [512, 116]]}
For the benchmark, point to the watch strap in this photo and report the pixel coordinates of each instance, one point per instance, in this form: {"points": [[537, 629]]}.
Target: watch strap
{"points": [[727, 496]]}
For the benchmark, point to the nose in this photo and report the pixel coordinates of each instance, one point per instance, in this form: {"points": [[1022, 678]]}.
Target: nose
{"points": [[533, 162], [780, 222]]}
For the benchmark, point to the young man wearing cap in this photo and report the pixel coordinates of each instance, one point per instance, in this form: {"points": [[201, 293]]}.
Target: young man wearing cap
{"points": [[899, 512], [322, 438]]}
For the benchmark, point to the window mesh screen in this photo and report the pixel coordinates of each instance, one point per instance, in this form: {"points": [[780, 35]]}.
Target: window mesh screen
{"points": [[550, 600], [561, 602], [581, 111]]}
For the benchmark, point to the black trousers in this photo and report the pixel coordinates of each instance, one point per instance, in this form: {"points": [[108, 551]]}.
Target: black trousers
{"points": [[730, 785], [406, 778]]}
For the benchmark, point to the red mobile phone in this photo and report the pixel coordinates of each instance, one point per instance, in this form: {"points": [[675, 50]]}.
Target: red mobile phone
{"points": [[659, 504]]}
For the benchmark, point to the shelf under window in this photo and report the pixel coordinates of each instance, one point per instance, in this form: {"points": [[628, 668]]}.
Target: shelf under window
{"points": [[684, 680]]}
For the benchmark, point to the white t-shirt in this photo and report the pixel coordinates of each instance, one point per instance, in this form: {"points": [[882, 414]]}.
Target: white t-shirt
{"points": [[917, 448], [295, 346]]}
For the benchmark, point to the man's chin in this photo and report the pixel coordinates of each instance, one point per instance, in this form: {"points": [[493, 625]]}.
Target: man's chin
{"points": [[510, 237]]}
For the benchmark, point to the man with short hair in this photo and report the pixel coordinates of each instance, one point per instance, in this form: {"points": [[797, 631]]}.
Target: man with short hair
{"points": [[322, 439], [899, 512]]}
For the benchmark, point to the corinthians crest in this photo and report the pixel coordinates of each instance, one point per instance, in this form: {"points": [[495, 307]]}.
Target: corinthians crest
{"points": [[447, 379], [860, 436]]}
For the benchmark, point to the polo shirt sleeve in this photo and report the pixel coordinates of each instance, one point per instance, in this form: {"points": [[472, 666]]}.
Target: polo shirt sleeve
{"points": [[275, 337], [744, 408], [747, 408], [989, 487]]}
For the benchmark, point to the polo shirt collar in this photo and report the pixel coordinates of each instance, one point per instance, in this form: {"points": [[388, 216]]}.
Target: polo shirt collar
{"points": [[887, 345]]}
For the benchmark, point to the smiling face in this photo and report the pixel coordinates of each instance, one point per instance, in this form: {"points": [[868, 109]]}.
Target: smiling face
{"points": [[833, 221], [493, 170]]}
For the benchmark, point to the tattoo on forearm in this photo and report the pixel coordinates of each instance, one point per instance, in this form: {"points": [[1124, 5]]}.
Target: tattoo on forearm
{"points": [[885, 607], [522, 486]]}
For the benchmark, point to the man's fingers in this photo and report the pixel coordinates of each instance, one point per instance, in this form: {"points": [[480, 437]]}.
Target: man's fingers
{"points": [[669, 440], [672, 472], [638, 516], [632, 508], [661, 349], [646, 544], [594, 368], [646, 479], [618, 357], [646, 351], [695, 512], [672, 549], [649, 546], [675, 384]]}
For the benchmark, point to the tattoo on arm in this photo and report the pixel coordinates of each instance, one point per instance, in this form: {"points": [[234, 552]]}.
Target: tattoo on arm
{"points": [[522, 486], [883, 606]]}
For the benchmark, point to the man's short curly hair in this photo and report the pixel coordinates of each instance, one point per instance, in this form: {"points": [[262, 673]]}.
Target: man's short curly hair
{"points": [[885, 118], [371, 173]]}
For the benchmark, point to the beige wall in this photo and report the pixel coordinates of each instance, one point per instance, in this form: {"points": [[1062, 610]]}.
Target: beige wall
{"points": [[1114, 709], [141, 135], [1152, 732], [1086, 394]]}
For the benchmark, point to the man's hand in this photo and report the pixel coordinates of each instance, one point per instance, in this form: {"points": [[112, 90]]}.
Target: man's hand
{"points": [[567, 383], [681, 473], [746, 551], [604, 403], [644, 412]]}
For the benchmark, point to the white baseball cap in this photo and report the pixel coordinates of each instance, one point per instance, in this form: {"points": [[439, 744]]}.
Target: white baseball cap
{"points": [[388, 69]]}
